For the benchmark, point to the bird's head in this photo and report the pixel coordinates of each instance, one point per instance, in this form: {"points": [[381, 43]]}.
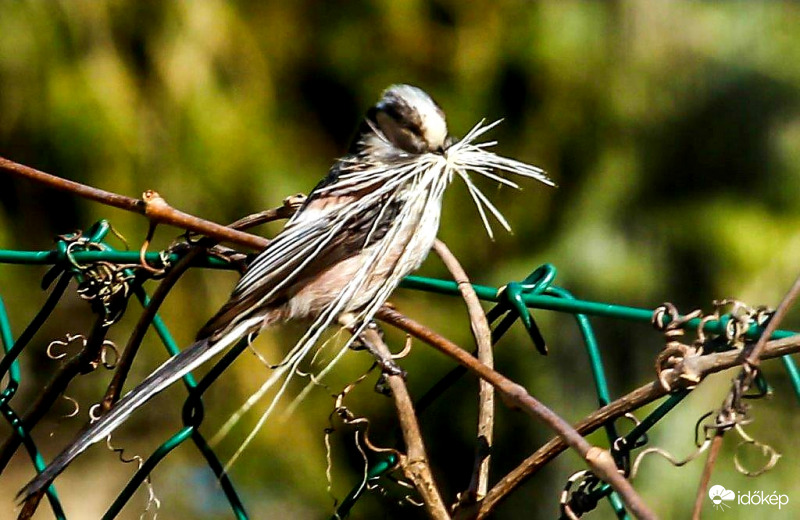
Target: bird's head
{"points": [[406, 120]]}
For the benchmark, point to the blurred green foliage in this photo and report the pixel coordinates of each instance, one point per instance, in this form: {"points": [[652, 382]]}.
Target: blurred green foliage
{"points": [[671, 128]]}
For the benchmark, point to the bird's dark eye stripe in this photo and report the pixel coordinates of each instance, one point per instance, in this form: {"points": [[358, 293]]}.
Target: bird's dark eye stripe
{"points": [[403, 115], [395, 112]]}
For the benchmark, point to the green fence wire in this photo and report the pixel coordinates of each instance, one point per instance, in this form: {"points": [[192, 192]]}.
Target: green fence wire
{"points": [[513, 302]]}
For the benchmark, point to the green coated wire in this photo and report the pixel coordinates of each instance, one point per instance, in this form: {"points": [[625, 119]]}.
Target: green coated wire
{"points": [[164, 334], [7, 339], [96, 233], [8, 363], [147, 467], [375, 471], [222, 477], [446, 287], [632, 438], [85, 257], [35, 456], [192, 416], [794, 374], [600, 381], [551, 298], [177, 439], [608, 310], [539, 282]]}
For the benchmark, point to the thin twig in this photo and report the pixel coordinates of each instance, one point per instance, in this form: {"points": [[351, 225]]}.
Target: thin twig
{"points": [[754, 357], [713, 452], [125, 362], [479, 483], [702, 365], [516, 397], [731, 405], [415, 466], [151, 205]]}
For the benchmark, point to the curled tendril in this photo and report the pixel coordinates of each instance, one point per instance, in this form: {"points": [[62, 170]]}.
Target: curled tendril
{"points": [[675, 351], [697, 426], [766, 450], [55, 356], [76, 407], [153, 502], [94, 412], [163, 256], [742, 317], [406, 499], [104, 284], [620, 443], [68, 339], [668, 320], [361, 434], [668, 456], [406, 348], [109, 346]]}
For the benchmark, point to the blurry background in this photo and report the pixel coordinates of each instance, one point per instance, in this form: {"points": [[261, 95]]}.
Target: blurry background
{"points": [[671, 129]]}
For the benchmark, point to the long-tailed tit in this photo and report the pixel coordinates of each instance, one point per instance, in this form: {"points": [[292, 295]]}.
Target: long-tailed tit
{"points": [[369, 223]]}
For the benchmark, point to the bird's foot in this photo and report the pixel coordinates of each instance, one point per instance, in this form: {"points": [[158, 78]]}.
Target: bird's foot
{"points": [[367, 341]]}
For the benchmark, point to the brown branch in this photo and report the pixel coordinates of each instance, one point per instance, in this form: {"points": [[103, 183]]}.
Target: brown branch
{"points": [[415, 466], [290, 206], [702, 365], [732, 406], [516, 397], [479, 483], [716, 444], [152, 205], [125, 362], [753, 358], [30, 506]]}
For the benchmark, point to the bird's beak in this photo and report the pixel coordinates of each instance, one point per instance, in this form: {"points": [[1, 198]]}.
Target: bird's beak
{"points": [[448, 142]]}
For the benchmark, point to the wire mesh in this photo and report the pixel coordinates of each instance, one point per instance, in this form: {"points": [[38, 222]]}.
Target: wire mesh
{"points": [[75, 255]]}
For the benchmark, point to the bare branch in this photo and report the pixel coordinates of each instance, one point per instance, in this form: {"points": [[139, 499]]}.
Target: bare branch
{"points": [[516, 397], [731, 406], [702, 365], [479, 483], [716, 444], [754, 357], [415, 465], [151, 205]]}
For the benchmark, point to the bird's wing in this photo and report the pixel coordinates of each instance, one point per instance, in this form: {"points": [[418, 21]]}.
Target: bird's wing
{"points": [[330, 229]]}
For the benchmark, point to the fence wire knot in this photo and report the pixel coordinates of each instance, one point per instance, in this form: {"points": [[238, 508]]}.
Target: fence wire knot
{"points": [[671, 360], [583, 499], [104, 284]]}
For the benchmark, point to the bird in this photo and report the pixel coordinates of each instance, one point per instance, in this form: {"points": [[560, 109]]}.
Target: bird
{"points": [[371, 221]]}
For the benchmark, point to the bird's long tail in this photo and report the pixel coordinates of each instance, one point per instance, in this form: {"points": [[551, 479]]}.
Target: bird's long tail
{"points": [[172, 370]]}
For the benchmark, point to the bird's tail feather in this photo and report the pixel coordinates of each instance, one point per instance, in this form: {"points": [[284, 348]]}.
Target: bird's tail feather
{"points": [[172, 370]]}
